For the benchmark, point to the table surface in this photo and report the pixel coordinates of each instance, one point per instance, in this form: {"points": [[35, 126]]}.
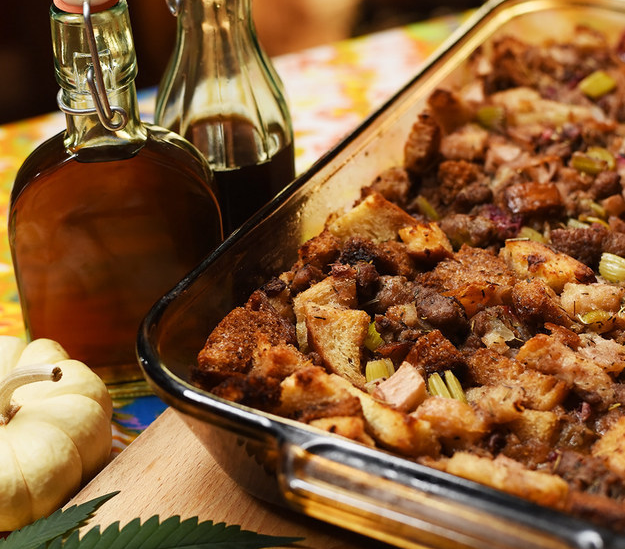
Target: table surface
{"points": [[330, 90], [168, 472]]}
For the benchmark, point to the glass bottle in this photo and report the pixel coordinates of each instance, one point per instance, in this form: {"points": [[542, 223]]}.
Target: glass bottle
{"points": [[110, 214], [221, 92]]}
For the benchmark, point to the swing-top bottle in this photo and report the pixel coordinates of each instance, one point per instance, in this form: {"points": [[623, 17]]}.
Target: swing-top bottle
{"points": [[110, 214], [223, 94]]}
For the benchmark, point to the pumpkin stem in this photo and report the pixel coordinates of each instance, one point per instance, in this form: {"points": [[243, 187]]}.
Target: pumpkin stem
{"points": [[17, 378]]}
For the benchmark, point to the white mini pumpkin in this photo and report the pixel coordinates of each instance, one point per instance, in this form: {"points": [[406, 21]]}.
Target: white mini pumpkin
{"points": [[54, 435]]}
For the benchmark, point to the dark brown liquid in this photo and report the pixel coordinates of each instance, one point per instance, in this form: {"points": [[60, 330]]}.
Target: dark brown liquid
{"points": [[96, 244], [245, 189]]}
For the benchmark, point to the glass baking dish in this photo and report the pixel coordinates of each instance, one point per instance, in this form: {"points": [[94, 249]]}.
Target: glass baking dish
{"points": [[388, 498]]}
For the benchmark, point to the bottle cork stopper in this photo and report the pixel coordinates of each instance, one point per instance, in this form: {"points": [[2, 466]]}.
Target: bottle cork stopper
{"points": [[75, 6]]}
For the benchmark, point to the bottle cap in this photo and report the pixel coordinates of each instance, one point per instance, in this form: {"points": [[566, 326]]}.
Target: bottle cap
{"points": [[75, 6]]}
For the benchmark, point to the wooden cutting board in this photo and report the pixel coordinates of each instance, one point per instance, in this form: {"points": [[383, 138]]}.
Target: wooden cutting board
{"points": [[166, 471]]}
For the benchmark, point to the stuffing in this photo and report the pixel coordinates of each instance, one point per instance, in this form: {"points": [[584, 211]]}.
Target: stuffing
{"points": [[336, 291], [476, 278], [549, 356], [392, 429], [531, 259], [422, 145], [510, 475], [425, 242], [374, 218], [540, 391], [467, 312], [337, 335], [456, 423]]}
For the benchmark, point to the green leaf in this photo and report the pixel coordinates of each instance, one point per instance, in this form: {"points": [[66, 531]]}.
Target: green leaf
{"points": [[60, 531], [59, 523], [174, 534]]}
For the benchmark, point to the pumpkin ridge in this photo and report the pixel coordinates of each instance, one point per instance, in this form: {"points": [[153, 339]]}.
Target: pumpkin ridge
{"points": [[18, 467]]}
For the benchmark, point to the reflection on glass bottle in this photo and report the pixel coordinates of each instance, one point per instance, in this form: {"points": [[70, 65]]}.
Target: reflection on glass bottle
{"points": [[102, 221], [222, 93]]}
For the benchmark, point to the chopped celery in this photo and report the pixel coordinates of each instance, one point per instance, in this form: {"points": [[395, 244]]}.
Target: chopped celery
{"points": [[437, 386], [593, 219], [373, 339], [601, 153], [595, 317], [597, 209], [531, 234], [450, 388], [379, 369], [576, 224], [612, 267], [587, 164], [491, 117], [426, 208], [454, 386], [597, 84]]}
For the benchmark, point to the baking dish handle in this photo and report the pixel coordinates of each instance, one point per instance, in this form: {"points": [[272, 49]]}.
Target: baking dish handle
{"points": [[414, 508]]}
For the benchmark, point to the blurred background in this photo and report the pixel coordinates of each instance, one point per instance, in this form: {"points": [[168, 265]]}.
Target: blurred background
{"points": [[283, 26]]}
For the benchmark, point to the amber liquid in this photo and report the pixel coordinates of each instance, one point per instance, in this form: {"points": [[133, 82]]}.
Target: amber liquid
{"points": [[243, 190], [96, 244]]}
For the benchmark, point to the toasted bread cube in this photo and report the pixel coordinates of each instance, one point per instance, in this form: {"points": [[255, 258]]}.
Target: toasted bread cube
{"points": [[578, 299], [335, 291], [351, 427], [450, 109], [537, 426], [606, 353], [540, 391], [338, 336], [422, 144], [426, 242], [466, 143], [374, 218], [310, 393], [453, 421], [496, 403], [535, 302], [531, 259], [276, 361], [611, 447], [506, 474], [477, 278], [393, 429], [549, 355]]}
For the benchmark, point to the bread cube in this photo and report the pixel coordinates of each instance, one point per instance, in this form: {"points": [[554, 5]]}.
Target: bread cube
{"points": [[611, 447], [337, 335], [426, 242], [393, 429], [509, 475], [531, 259], [335, 291], [374, 218]]}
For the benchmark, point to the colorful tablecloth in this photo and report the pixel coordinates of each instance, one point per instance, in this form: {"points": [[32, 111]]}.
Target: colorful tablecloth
{"points": [[330, 90]]}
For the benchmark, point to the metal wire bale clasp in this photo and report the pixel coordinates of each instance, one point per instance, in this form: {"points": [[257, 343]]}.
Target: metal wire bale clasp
{"points": [[95, 81], [175, 6]]}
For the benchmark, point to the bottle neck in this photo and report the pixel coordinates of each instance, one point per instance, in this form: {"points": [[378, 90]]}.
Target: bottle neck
{"points": [[220, 90], [73, 64], [225, 26], [217, 16]]}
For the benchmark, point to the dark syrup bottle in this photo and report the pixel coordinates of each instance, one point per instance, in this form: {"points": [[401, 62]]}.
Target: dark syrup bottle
{"points": [[104, 221], [222, 93]]}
